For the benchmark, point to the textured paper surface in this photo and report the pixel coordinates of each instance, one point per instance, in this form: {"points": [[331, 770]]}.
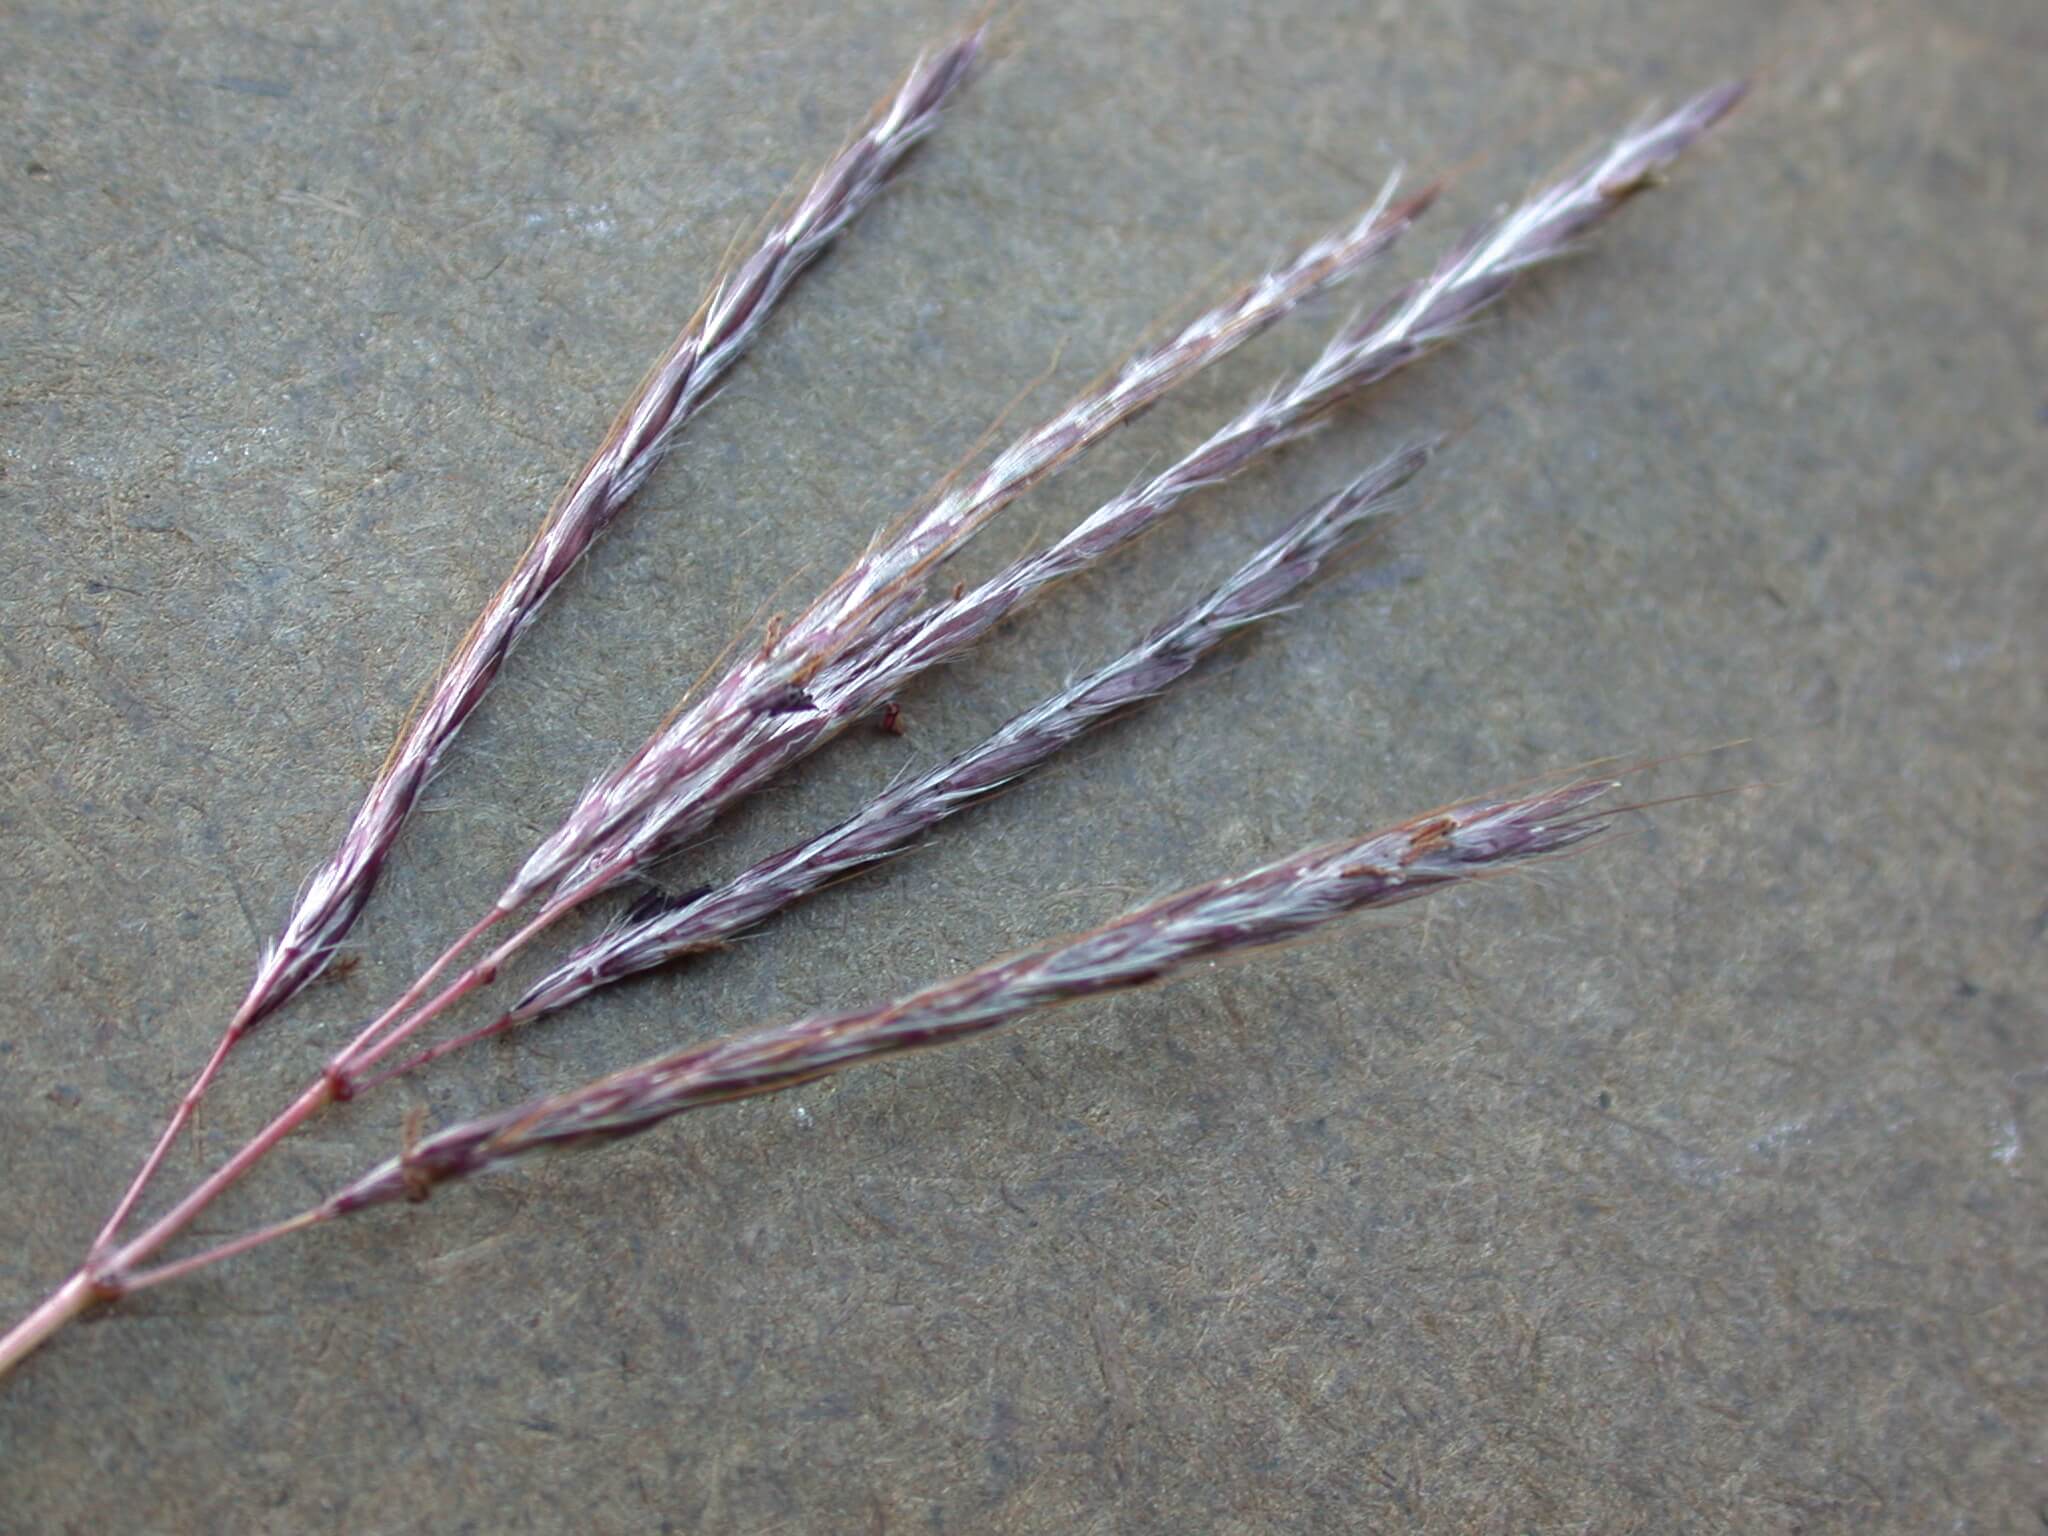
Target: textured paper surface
{"points": [[1695, 1183]]}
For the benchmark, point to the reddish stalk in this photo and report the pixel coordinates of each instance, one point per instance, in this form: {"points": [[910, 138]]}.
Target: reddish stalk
{"points": [[255, 1238], [366, 1050], [239, 1026], [426, 979], [62, 1307], [111, 1271]]}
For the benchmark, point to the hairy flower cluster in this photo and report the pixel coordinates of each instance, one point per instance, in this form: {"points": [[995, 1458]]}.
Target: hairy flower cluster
{"points": [[1271, 905]]}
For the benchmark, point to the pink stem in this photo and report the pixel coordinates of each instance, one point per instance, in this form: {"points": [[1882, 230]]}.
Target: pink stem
{"points": [[65, 1303], [220, 1251], [426, 979], [336, 1081], [364, 1052], [237, 1026], [448, 1047], [112, 1270]]}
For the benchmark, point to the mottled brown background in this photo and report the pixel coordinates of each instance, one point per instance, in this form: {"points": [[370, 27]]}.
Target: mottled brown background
{"points": [[1695, 1184]]}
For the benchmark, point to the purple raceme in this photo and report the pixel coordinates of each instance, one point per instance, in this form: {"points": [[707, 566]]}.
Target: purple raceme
{"points": [[1271, 905], [678, 385], [894, 821], [673, 391]]}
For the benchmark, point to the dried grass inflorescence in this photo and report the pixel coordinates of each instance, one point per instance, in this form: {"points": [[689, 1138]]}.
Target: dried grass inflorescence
{"points": [[853, 649], [1270, 905]]}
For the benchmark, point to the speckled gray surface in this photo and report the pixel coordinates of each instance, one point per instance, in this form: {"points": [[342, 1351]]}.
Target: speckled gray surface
{"points": [[1696, 1184]]}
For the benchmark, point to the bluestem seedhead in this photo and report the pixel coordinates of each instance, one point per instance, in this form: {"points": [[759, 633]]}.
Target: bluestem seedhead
{"points": [[1273, 904]]}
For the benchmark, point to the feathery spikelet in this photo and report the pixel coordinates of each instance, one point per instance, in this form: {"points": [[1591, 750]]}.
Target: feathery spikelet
{"points": [[898, 818], [685, 378], [1270, 905], [1540, 229], [671, 393]]}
